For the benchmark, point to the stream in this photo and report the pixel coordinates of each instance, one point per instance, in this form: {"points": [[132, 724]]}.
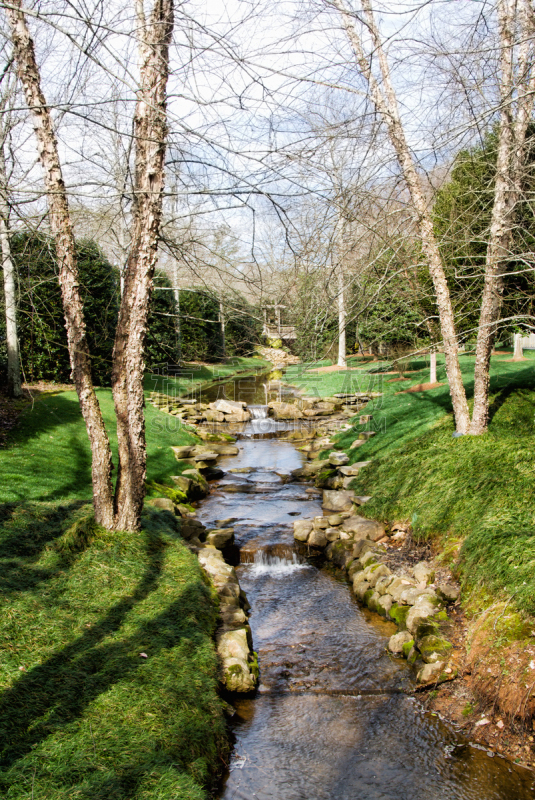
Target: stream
{"points": [[331, 719]]}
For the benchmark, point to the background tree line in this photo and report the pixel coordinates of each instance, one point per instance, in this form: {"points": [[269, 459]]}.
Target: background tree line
{"points": [[191, 331]]}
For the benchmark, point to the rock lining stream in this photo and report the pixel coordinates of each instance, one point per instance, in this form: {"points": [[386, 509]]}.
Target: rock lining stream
{"points": [[333, 716]]}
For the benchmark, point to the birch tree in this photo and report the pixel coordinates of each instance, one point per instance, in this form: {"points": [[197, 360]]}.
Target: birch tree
{"points": [[384, 98], [516, 82], [517, 91], [13, 357], [120, 510]]}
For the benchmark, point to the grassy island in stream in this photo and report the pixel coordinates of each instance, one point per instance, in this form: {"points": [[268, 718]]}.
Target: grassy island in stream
{"points": [[108, 671]]}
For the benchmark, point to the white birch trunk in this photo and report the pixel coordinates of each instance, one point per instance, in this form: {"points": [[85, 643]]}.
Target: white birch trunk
{"points": [[61, 225], [342, 361], [433, 367], [385, 102], [514, 121], [12, 341], [154, 35], [222, 326], [14, 386]]}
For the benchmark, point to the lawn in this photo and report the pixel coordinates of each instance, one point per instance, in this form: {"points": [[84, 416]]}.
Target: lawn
{"points": [[47, 457], [476, 493], [108, 670], [83, 713]]}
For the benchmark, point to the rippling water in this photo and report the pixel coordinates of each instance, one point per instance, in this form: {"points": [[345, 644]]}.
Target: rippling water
{"points": [[330, 720]]}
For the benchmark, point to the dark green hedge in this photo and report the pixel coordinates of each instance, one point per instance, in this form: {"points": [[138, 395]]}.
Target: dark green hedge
{"points": [[42, 334]]}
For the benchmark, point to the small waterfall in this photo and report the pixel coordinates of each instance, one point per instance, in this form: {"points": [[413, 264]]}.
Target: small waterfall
{"points": [[277, 560], [258, 412]]}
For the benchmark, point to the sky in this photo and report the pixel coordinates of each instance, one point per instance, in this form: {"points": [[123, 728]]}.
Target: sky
{"points": [[258, 94]]}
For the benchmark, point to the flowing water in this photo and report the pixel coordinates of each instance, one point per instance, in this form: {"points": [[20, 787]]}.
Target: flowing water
{"points": [[330, 720]]}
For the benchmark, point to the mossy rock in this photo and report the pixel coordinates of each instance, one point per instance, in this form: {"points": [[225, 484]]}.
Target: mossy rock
{"points": [[406, 648], [171, 492], [253, 665], [354, 568], [372, 602], [322, 478], [413, 656], [399, 614], [342, 552], [434, 648], [219, 437], [367, 597]]}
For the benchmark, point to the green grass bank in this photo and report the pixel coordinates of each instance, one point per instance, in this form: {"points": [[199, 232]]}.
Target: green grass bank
{"points": [[83, 713], [474, 494], [47, 457]]}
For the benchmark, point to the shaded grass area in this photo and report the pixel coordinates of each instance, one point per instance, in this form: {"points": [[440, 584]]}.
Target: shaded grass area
{"points": [[83, 715], [48, 456], [477, 492]]}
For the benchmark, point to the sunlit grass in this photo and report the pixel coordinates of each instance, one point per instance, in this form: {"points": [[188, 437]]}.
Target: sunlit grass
{"points": [[480, 490], [83, 714]]}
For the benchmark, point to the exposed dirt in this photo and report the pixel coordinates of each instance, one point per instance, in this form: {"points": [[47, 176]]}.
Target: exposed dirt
{"points": [[421, 387], [492, 701], [475, 701]]}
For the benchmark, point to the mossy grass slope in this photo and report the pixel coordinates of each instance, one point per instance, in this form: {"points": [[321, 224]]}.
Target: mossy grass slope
{"points": [[476, 492], [83, 713]]}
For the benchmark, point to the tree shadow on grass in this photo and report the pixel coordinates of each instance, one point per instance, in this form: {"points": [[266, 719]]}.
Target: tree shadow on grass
{"points": [[56, 692], [44, 415], [25, 532], [524, 381]]}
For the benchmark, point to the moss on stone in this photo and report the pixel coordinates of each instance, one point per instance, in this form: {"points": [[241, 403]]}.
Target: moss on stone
{"points": [[399, 614], [234, 669], [406, 648], [253, 665], [431, 645], [367, 596], [323, 477]]}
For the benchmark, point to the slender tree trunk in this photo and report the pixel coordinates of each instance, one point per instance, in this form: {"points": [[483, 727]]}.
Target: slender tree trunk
{"points": [[342, 362], [518, 354], [222, 326], [433, 366], [60, 223], [14, 387], [150, 132], [507, 191], [178, 329], [386, 103]]}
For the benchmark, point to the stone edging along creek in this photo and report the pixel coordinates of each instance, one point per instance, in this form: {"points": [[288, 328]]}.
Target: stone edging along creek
{"points": [[239, 666], [408, 598], [356, 544]]}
